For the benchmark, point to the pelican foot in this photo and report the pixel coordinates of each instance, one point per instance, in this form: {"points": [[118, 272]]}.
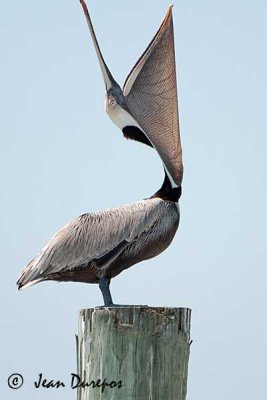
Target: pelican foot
{"points": [[108, 303]]}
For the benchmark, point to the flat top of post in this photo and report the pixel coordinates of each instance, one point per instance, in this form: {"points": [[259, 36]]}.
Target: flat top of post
{"points": [[136, 315]]}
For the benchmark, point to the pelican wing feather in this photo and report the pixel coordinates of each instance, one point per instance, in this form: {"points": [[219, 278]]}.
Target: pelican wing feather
{"points": [[91, 236]]}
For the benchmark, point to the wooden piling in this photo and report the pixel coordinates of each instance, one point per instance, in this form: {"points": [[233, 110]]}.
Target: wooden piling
{"points": [[133, 353]]}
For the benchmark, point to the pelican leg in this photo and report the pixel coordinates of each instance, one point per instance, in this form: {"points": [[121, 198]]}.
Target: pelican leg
{"points": [[104, 287]]}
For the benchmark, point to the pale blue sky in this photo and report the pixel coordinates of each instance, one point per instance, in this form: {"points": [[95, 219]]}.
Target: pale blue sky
{"points": [[61, 156]]}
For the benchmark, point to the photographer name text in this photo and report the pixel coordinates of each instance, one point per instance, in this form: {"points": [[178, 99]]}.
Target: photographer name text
{"points": [[15, 381]]}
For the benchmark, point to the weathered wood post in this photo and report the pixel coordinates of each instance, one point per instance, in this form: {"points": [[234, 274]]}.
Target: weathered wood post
{"points": [[133, 353]]}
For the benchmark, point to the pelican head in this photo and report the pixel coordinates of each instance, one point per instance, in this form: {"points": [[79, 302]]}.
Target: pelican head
{"points": [[114, 95], [146, 109]]}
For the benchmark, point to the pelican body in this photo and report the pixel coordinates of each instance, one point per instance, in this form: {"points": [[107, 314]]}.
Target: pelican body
{"points": [[95, 247]]}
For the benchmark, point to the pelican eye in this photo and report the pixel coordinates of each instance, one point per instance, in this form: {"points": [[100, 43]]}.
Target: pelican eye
{"points": [[112, 102]]}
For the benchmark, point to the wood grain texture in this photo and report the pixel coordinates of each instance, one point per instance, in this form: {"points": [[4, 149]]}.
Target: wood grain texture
{"points": [[145, 350]]}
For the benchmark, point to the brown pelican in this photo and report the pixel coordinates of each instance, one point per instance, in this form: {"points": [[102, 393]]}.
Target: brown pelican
{"points": [[95, 247]]}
